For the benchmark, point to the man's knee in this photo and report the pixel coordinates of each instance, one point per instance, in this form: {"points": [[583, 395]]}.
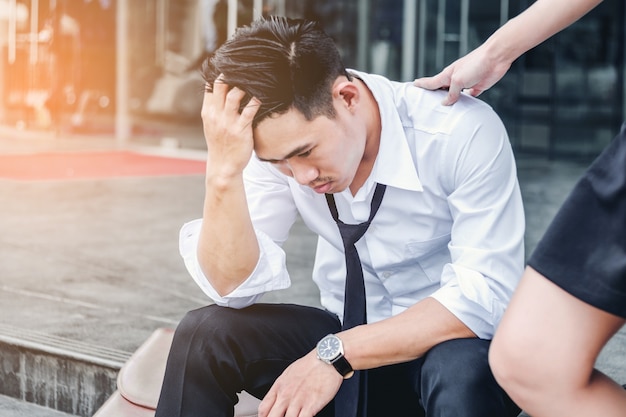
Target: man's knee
{"points": [[207, 329], [253, 330], [460, 361], [206, 319], [456, 378]]}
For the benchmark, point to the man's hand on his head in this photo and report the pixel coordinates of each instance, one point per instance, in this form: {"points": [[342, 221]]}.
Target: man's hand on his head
{"points": [[228, 133]]}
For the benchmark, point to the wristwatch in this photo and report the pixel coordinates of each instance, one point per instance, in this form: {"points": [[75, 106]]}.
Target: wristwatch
{"points": [[330, 350]]}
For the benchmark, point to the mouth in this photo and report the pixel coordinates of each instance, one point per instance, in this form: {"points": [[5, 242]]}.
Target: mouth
{"points": [[323, 188]]}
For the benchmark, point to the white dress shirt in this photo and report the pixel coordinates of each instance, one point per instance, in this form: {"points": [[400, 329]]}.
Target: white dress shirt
{"points": [[450, 226]]}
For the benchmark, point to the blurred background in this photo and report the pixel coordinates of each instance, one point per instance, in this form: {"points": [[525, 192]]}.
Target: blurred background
{"points": [[126, 66]]}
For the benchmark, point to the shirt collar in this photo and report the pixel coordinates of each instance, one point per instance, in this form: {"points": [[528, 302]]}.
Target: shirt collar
{"points": [[394, 164]]}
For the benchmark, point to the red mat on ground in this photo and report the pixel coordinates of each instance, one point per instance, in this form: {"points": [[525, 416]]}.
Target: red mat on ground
{"points": [[105, 164]]}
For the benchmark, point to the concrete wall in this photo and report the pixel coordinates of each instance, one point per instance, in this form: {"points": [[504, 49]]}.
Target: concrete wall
{"points": [[54, 380]]}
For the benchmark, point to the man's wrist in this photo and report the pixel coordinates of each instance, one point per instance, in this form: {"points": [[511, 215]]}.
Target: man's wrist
{"points": [[220, 180], [330, 350]]}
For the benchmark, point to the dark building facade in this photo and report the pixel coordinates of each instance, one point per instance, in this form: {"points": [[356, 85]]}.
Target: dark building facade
{"points": [[564, 98]]}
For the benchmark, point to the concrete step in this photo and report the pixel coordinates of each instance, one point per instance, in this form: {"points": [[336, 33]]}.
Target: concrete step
{"points": [[56, 373], [11, 407]]}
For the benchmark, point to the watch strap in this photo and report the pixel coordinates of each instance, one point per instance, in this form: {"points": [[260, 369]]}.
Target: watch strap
{"points": [[342, 366]]}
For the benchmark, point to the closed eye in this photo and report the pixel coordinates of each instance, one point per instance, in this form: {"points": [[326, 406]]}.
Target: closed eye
{"points": [[305, 154]]}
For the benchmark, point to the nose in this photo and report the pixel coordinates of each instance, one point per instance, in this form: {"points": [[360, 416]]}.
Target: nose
{"points": [[302, 172]]}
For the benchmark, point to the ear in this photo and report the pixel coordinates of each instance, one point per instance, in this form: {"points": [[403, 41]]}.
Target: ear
{"points": [[346, 92]]}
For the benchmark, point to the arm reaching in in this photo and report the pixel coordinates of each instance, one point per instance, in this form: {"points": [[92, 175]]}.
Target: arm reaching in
{"points": [[486, 65]]}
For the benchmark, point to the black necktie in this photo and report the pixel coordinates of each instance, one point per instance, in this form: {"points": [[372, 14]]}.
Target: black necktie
{"points": [[351, 400]]}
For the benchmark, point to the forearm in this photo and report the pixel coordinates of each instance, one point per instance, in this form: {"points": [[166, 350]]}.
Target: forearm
{"points": [[404, 337], [228, 249], [540, 21]]}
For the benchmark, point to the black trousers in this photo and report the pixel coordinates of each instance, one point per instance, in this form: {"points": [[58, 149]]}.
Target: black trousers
{"points": [[218, 352]]}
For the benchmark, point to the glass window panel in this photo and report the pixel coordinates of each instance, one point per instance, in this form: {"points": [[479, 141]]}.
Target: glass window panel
{"points": [[385, 37]]}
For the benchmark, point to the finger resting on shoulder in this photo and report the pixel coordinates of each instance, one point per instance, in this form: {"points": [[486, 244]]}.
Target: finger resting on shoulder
{"points": [[474, 92], [452, 96], [431, 83]]}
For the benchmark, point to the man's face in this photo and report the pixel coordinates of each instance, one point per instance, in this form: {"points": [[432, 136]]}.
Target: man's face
{"points": [[323, 153]]}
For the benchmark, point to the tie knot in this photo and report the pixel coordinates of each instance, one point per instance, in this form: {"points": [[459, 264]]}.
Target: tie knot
{"points": [[351, 233]]}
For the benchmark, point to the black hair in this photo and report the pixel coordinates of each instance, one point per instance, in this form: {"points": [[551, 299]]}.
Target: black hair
{"points": [[282, 62]]}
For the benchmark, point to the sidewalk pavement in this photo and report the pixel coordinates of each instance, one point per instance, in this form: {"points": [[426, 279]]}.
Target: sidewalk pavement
{"points": [[90, 268]]}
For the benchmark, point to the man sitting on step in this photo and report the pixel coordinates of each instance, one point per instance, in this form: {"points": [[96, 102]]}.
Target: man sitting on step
{"points": [[420, 224]]}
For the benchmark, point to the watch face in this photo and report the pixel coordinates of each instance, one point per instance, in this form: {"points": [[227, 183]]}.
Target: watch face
{"points": [[329, 348]]}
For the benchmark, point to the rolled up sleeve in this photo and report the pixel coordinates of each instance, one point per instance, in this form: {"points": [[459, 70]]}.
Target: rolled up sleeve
{"points": [[269, 274], [272, 212], [487, 240]]}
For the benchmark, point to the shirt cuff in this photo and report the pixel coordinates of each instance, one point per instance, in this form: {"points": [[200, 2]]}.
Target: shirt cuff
{"points": [[270, 273], [483, 311]]}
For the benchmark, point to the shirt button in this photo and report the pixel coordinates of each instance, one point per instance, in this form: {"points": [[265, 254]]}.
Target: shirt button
{"points": [[386, 274]]}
